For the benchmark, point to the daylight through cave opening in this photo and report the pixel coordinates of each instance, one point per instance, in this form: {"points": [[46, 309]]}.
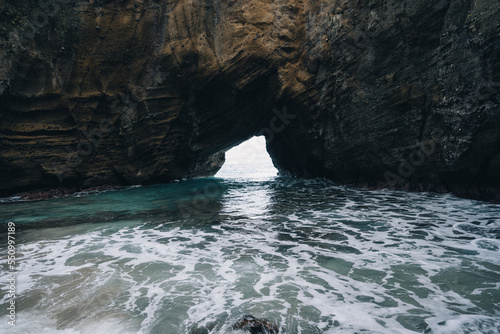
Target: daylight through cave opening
{"points": [[249, 159]]}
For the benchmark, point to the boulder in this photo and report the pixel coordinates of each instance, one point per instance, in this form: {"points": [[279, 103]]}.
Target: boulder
{"points": [[256, 326]]}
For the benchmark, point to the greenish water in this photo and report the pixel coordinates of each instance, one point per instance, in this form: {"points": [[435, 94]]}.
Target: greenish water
{"points": [[312, 256]]}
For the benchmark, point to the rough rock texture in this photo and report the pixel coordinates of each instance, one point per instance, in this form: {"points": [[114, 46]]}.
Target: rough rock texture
{"points": [[381, 93], [254, 325]]}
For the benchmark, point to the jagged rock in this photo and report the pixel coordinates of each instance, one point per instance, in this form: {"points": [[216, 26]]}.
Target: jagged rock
{"points": [[256, 326], [211, 165], [382, 93]]}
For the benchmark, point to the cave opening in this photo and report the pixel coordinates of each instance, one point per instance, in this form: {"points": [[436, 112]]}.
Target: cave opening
{"points": [[249, 159]]}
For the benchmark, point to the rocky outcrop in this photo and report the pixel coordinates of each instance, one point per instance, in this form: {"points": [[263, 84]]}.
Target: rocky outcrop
{"points": [[379, 93], [254, 325]]}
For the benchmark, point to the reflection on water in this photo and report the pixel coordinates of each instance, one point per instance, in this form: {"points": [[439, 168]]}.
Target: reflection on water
{"points": [[314, 257]]}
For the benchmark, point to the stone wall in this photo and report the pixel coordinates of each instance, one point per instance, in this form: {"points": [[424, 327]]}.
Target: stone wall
{"points": [[381, 93]]}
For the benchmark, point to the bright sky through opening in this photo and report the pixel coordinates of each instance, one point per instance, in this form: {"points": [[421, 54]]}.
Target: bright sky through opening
{"points": [[250, 153]]}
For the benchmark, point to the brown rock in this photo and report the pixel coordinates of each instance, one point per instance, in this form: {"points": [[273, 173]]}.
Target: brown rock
{"points": [[163, 88]]}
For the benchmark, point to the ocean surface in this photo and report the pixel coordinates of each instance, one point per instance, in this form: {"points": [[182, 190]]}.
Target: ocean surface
{"points": [[195, 256]]}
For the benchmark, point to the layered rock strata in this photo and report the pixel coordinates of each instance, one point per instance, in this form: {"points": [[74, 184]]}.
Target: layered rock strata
{"points": [[379, 93]]}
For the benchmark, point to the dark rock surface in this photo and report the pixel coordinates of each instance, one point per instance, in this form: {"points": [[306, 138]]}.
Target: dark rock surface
{"points": [[381, 93], [256, 326]]}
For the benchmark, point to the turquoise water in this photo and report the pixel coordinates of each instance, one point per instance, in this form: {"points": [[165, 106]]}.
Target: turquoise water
{"points": [[195, 256]]}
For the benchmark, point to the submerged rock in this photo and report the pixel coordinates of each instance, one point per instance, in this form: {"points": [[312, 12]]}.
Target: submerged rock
{"points": [[256, 326]]}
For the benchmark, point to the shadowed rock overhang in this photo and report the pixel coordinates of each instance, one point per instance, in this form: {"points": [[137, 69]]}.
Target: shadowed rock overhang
{"points": [[383, 93]]}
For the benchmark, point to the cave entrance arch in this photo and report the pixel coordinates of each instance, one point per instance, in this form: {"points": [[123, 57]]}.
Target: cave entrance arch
{"points": [[249, 159]]}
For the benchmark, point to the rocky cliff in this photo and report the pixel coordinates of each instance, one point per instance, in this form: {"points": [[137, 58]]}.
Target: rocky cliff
{"points": [[380, 93]]}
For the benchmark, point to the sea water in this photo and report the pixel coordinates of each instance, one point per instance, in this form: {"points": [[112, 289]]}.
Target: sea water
{"points": [[309, 255]]}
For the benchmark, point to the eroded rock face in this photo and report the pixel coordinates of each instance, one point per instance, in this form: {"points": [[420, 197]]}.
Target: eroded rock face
{"points": [[381, 93]]}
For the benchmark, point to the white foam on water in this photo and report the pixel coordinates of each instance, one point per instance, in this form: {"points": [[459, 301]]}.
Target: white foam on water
{"points": [[39, 323], [466, 323], [313, 260]]}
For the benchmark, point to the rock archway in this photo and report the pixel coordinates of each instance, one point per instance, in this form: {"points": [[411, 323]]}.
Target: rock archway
{"points": [[386, 93]]}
